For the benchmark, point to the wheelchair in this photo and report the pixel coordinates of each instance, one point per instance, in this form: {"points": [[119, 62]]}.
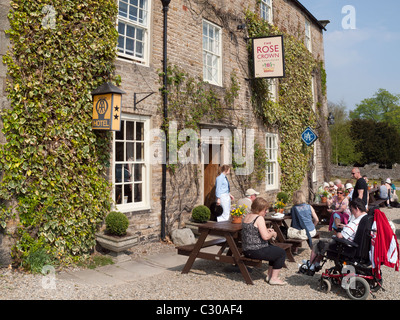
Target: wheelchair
{"points": [[352, 269]]}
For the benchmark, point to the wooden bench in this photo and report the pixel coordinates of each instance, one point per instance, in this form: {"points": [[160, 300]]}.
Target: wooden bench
{"points": [[379, 202], [288, 249], [187, 249], [297, 243]]}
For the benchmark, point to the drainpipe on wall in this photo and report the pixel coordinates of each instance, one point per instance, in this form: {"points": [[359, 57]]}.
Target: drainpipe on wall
{"points": [[165, 4]]}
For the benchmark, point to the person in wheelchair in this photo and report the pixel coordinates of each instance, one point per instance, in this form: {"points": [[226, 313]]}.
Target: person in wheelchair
{"points": [[345, 235]]}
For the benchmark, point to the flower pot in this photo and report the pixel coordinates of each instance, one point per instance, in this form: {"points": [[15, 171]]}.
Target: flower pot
{"points": [[279, 210], [237, 219], [117, 245]]}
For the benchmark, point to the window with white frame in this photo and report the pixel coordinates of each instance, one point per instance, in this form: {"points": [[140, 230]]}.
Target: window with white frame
{"points": [[266, 10], [308, 35], [130, 164], [271, 173], [133, 25], [212, 72]]}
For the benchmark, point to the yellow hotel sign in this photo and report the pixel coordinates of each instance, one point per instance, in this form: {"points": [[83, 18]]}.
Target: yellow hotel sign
{"points": [[107, 100]]}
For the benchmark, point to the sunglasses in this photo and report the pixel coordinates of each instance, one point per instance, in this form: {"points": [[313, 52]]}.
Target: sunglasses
{"points": [[340, 192]]}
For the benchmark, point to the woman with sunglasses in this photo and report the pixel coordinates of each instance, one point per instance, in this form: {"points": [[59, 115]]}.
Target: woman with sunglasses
{"points": [[340, 211]]}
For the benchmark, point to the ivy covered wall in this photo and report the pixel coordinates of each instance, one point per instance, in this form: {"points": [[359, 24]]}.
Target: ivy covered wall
{"points": [[53, 163], [293, 110]]}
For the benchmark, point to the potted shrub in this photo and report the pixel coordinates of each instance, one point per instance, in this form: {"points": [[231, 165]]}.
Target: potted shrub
{"points": [[201, 214], [115, 237], [117, 223]]}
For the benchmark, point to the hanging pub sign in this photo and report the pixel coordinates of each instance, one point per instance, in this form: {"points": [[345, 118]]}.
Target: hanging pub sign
{"points": [[269, 57], [107, 100]]}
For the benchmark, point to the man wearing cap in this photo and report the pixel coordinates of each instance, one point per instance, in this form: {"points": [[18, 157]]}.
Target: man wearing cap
{"points": [[388, 183], [251, 195], [361, 187]]}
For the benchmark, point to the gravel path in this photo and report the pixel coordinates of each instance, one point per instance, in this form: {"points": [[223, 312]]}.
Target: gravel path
{"points": [[207, 280]]}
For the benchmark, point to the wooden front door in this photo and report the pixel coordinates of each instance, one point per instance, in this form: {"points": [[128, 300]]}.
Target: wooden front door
{"points": [[210, 174]]}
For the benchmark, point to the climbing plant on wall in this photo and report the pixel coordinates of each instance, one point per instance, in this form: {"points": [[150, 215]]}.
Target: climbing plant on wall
{"points": [[53, 163], [190, 102], [292, 112]]}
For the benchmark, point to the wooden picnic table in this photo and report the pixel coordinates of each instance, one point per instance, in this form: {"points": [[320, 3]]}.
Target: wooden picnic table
{"points": [[321, 209], [374, 199], [230, 233], [276, 223]]}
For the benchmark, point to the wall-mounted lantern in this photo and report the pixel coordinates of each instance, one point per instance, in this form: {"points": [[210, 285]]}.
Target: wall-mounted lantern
{"points": [[107, 101]]}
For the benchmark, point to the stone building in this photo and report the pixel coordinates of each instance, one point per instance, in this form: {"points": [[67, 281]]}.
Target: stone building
{"points": [[207, 39]]}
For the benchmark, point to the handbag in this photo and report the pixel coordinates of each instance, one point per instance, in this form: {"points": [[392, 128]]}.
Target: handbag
{"points": [[294, 233]]}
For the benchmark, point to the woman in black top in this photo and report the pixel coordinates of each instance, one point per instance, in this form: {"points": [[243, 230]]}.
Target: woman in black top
{"points": [[255, 241]]}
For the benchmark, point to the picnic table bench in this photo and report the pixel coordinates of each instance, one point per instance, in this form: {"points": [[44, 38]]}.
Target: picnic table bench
{"points": [[277, 223], [373, 199], [230, 237]]}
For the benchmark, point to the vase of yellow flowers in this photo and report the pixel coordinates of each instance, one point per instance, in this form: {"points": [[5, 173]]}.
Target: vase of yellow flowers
{"points": [[279, 206], [237, 213]]}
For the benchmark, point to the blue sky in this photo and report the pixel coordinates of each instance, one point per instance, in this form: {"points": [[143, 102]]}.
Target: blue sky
{"points": [[360, 61]]}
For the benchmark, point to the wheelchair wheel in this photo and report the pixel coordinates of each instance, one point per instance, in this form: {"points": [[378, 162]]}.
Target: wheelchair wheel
{"points": [[358, 289], [325, 285]]}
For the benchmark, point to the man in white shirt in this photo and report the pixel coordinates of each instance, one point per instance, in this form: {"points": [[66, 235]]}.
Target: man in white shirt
{"points": [[348, 232], [358, 211]]}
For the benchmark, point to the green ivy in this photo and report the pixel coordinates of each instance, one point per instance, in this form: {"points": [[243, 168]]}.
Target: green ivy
{"points": [[292, 113], [191, 100], [53, 163], [323, 78]]}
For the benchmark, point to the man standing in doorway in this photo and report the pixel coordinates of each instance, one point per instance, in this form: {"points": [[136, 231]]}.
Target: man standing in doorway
{"points": [[361, 187]]}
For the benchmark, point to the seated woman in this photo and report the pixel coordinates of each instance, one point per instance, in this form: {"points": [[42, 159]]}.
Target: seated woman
{"points": [[255, 241], [303, 215], [340, 211], [384, 191]]}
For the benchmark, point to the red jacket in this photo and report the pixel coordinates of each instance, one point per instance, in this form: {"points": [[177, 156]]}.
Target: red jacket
{"points": [[384, 245]]}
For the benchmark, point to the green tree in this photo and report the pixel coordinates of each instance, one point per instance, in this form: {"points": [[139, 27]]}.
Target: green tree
{"points": [[343, 146], [378, 142], [383, 106]]}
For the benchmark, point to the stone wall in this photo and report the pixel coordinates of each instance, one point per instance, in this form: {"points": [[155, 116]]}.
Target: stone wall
{"points": [[372, 171]]}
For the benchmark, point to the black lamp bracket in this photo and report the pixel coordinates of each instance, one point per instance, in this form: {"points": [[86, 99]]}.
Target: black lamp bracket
{"points": [[136, 102]]}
